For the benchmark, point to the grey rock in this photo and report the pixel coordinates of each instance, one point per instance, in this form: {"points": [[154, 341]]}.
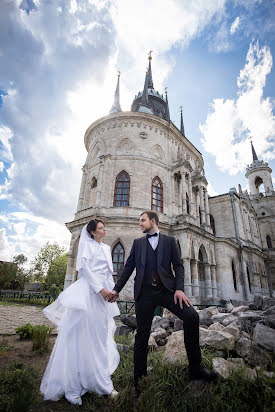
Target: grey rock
{"points": [[269, 311], [216, 339], [122, 348], [152, 344], [129, 320], [225, 367], [175, 351], [239, 309], [208, 312], [158, 334], [252, 307], [178, 325], [162, 342], [206, 322], [247, 320], [270, 321], [243, 346], [258, 301], [268, 302], [219, 317], [222, 310], [216, 326], [264, 336], [238, 361], [258, 356], [233, 329], [160, 323], [123, 330], [229, 319]]}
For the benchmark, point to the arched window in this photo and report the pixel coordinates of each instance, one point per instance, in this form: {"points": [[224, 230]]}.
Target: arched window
{"points": [[268, 242], [212, 224], [118, 255], [122, 190], [187, 204], [248, 278], [157, 195], [93, 183], [234, 276]]}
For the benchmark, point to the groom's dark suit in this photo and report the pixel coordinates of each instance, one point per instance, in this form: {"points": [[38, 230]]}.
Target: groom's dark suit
{"points": [[155, 285]]}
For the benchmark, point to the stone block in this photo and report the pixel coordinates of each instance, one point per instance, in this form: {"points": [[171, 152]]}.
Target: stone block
{"points": [[239, 309], [243, 346], [216, 326], [129, 320], [264, 336], [268, 302], [175, 351], [219, 317], [178, 325], [233, 329], [158, 334], [160, 323], [216, 339], [225, 367], [229, 319]]}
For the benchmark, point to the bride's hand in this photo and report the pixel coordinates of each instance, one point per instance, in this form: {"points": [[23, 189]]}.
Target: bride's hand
{"points": [[106, 294]]}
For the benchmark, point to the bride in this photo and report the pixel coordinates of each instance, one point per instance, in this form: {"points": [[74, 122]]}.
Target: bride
{"points": [[85, 354]]}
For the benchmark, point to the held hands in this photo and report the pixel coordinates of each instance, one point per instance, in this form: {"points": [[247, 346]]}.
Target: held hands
{"points": [[110, 296], [180, 295]]}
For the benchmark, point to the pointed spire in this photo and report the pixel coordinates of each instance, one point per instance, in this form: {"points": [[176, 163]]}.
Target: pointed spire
{"points": [[167, 112], [150, 78], [181, 122], [116, 105], [144, 103], [254, 155]]}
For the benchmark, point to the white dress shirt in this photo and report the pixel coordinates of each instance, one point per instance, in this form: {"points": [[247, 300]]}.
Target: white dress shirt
{"points": [[154, 240]]}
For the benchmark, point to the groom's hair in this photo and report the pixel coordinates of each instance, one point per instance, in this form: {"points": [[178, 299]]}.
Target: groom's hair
{"points": [[91, 227], [152, 215]]}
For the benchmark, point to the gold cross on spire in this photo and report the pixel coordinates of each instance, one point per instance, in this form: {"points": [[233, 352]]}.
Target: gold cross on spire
{"points": [[118, 73], [165, 89], [150, 54], [181, 109]]}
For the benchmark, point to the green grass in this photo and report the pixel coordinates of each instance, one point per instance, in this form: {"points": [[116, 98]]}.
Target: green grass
{"points": [[6, 347], [125, 339]]}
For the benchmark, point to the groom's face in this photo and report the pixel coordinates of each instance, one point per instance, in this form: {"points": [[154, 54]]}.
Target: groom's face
{"points": [[145, 223]]}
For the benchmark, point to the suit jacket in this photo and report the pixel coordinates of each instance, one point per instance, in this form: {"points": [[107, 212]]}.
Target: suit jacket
{"points": [[167, 254]]}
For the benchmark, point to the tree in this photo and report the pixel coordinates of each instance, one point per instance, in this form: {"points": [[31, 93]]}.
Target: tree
{"points": [[57, 271], [12, 274], [44, 259]]}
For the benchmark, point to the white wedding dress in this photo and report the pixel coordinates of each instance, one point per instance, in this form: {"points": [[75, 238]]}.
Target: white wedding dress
{"points": [[85, 354]]}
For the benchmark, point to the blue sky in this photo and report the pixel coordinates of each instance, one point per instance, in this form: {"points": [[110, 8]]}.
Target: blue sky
{"points": [[58, 65]]}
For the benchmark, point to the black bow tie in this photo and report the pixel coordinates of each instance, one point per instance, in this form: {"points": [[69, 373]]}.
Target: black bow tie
{"points": [[149, 235]]}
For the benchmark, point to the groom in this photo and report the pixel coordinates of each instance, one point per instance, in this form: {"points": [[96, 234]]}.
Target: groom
{"points": [[155, 284]]}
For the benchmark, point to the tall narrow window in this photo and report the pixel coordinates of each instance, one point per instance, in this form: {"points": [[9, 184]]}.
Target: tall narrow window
{"points": [[122, 190], [187, 204], [268, 242], [157, 195], [248, 278], [234, 276], [93, 183], [118, 255], [212, 224], [200, 214]]}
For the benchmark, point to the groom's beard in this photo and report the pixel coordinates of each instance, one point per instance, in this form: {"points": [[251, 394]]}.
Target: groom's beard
{"points": [[148, 229]]}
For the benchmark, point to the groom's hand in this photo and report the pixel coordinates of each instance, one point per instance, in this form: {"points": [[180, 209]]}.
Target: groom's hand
{"points": [[114, 296], [180, 295]]}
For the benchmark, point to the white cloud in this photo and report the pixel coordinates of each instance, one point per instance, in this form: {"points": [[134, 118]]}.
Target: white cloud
{"points": [[2, 166], [26, 233], [235, 25], [231, 122], [210, 189]]}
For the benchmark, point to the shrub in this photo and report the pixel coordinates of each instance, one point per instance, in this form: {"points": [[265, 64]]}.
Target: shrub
{"points": [[25, 331], [5, 346], [17, 388], [41, 338]]}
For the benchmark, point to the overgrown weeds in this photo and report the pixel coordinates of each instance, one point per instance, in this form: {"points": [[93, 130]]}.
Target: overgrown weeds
{"points": [[40, 335]]}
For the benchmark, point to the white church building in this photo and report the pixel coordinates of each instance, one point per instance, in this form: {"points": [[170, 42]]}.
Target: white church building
{"points": [[139, 160]]}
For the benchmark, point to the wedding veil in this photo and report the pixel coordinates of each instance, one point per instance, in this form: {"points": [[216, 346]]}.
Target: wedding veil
{"points": [[85, 248]]}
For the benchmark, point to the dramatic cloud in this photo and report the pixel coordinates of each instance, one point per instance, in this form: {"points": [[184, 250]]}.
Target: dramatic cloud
{"points": [[235, 25], [2, 166], [231, 122]]}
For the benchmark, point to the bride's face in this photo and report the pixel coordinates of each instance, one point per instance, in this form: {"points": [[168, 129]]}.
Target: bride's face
{"points": [[100, 231]]}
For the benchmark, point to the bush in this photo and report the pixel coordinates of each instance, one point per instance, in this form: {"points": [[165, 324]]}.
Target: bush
{"points": [[41, 337], [25, 331], [17, 388]]}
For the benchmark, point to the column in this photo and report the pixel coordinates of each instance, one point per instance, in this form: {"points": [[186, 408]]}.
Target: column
{"points": [[208, 283], [187, 277], [197, 207], [184, 211], [207, 215], [195, 278], [82, 190], [202, 206], [213, 281]]}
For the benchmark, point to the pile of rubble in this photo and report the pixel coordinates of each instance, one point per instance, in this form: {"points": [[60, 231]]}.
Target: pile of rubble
{"points": [[241, 336]]}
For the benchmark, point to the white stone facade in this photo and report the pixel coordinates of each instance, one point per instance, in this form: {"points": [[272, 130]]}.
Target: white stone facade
{"points": [[228, 261]]}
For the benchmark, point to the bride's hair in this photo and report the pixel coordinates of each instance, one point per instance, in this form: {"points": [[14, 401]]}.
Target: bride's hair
{"points": [[91, 227]]}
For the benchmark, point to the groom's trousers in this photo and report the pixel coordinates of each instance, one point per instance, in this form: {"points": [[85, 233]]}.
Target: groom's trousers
{"points": [[150, 297]]}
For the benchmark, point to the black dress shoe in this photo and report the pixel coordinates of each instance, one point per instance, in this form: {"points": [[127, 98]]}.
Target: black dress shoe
{"points": [[205, 374]]}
